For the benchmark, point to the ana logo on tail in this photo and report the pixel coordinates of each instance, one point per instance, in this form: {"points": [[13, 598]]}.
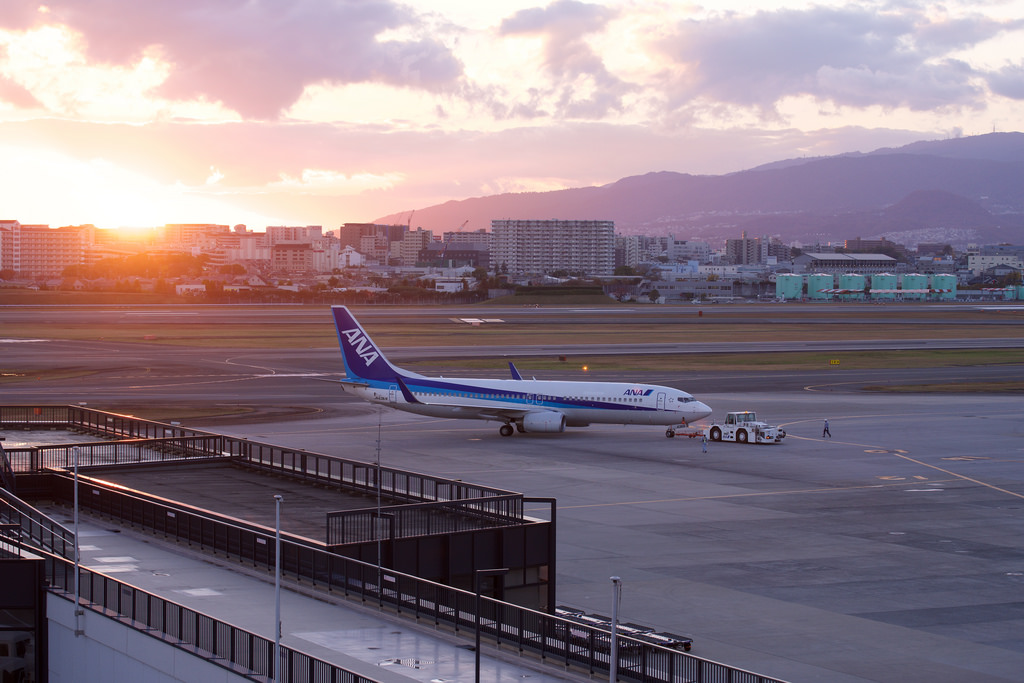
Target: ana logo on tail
{"points": [[361, 345]]}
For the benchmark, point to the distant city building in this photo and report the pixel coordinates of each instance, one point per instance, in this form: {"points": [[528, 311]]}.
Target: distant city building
{"points": [[449, 285], [779, 250], [995, 255], [352, 234], [289, 234], [933, 248], [687, 250], [675, 287], [407, 250], [37, 251], [627, 251], [292, 258], [454, 256], [545, 246], [845, 263], [193, 238], [478, 239], [243, 247], [372, 240], [746, 250], [350, 258], [875, 246]]}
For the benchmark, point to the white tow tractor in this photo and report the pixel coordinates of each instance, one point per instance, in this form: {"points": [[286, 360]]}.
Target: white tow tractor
{"points": [[742, 426]]}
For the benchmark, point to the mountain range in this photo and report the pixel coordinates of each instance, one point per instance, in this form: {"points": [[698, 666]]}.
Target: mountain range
{"points": [[957, 191]]}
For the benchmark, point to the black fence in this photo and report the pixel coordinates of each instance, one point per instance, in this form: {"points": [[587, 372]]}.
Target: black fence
{"points": [[36, 529], [357, 476], [66, 456], [550, 637], [418, 519]]}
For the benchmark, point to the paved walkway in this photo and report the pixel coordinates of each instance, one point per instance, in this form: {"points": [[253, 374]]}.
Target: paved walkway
{"points": [[359, 639]]}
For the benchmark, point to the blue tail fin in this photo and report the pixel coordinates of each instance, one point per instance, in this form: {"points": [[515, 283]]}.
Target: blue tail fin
{"points": [[363, 360]]}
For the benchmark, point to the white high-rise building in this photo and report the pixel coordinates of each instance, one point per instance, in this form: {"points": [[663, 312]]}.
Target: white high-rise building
{"points": [[544, 246]]}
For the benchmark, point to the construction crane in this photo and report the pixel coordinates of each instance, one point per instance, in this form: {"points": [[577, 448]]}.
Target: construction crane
{"points": [[444, 249]]}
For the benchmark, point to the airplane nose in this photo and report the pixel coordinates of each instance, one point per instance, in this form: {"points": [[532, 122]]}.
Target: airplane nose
{"points": [[701, 410]]}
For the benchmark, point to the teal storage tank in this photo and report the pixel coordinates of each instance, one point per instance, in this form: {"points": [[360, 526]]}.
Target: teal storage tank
{"points": [[943, 287], [883, 287], [789, 286], [855, 283], [819, 286], [914, 287]]}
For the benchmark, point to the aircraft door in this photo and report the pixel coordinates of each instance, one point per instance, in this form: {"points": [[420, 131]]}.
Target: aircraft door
{"points": [[661, 400], [393, 393]]}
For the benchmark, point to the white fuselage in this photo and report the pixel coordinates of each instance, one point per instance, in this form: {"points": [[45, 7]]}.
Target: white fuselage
{"points": [[581, 403]]}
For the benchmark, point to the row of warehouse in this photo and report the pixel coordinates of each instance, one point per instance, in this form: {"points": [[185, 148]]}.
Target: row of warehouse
{"points": [[882, 286]]}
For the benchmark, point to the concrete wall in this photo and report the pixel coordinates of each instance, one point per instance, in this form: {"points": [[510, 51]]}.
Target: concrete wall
{"points": [[111, 651]]}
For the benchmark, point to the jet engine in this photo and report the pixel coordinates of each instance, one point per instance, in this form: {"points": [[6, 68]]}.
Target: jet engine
{"points": [[544, 421]]}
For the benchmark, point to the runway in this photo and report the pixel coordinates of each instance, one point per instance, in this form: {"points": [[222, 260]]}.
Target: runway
{"points": [[892, 551]]}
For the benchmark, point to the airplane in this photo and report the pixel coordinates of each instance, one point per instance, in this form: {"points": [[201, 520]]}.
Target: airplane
{"points": [[524, 405]]}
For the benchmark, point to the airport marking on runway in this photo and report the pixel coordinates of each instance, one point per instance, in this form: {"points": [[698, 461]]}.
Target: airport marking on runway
{"points": [[904, 455]]}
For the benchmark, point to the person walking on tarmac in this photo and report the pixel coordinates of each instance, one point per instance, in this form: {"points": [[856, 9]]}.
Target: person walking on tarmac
{"points": [[704, 442], [825, 431]]}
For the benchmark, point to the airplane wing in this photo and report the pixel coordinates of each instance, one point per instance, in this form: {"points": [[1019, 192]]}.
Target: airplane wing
{"points": [[482, 412]]}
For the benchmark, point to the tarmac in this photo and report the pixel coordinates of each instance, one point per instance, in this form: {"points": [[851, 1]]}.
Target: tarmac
{"points": [[893, 550]]}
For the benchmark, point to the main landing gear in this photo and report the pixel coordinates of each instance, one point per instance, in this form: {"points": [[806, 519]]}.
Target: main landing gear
{"points": [[506, 429]]}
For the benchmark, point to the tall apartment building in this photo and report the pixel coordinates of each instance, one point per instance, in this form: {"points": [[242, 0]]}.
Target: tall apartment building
{"points": [[544, 246], [627, 251], [412, 243], [746, 250], [38, 251]]}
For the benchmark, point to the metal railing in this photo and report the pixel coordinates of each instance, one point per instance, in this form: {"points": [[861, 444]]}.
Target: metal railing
{"points": [[243, 652], [357, 476], [38, 458], [354, 475], [37, 530], [392, 522]]}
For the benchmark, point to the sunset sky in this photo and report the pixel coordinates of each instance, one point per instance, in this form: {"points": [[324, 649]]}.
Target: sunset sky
{"points": [[296, 112]]}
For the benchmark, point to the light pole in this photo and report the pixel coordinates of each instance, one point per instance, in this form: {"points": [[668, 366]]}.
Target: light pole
{"points": [[78, 556], [613, 662], [476, 588], [277, 588]]}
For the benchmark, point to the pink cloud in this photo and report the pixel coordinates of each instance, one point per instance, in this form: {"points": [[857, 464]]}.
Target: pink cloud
{"points": [[254, 56]]}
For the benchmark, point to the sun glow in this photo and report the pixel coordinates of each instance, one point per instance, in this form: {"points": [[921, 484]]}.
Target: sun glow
{"points": [[72, 191]]}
